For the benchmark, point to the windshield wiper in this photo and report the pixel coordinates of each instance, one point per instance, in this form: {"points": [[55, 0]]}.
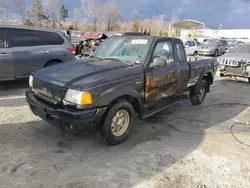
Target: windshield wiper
{"points": [[112, 58]]}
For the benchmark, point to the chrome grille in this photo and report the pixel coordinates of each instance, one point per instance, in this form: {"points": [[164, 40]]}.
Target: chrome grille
{"points": [[230, 62], [47, 91]]}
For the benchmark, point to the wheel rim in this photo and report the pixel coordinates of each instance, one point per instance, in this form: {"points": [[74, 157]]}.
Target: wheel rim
{"points": [[120, 123], [202, 91]]}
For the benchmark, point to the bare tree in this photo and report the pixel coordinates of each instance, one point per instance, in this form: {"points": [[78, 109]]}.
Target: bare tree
{"points": [[36, 13], [135, 19], [20, 4], [97, 13], [91, 12], [171, 31], [51, 10], [3, 9], [76, 17], [113, 16], [160, 21], [85, 9]]}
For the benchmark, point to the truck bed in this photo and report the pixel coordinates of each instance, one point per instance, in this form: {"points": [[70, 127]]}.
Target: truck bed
{"points": [[198, 66]]}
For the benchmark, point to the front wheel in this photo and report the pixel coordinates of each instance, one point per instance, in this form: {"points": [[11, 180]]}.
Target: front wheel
{"points": [[118, 123], [198, 92]]}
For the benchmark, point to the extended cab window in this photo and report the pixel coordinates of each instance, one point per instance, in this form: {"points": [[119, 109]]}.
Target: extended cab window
{"points": [[164, 50], [2, 39], [181, 57]]}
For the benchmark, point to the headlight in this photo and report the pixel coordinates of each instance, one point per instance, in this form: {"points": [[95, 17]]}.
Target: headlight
{"points": [[31, 81], [78, 97]]}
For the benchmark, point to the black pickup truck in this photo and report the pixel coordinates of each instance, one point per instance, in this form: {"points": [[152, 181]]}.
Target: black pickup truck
{"points": [[126, 76]]}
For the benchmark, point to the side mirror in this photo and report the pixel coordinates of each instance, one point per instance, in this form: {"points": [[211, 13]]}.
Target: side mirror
{"points": [[158, 63], [186, 46]]}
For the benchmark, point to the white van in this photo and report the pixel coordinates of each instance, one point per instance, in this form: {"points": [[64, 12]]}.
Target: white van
{"points": [[191, 48]]}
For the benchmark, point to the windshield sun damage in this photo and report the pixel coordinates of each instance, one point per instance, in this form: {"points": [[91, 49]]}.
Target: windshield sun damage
{"points": [[131, 50], [241, 49]]}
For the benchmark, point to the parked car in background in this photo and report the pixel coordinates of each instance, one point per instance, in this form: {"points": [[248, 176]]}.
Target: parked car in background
{"points": [[191, 48], [119, 33], [232, 44], [26, 49], [236, 62], [214, 47], [125, 76]]}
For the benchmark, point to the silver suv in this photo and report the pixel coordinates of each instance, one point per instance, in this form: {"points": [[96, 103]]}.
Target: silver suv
{"points": [[25, 49]]}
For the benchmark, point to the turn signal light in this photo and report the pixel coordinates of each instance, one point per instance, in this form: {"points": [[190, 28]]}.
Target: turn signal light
{"points": [[86, 98]]}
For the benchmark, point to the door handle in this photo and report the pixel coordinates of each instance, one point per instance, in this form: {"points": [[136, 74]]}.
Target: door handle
{"points": [[4, 55], [44, 51]]}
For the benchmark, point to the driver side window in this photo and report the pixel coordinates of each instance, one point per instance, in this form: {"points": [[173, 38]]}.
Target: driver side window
{"points": [[164, 50]]}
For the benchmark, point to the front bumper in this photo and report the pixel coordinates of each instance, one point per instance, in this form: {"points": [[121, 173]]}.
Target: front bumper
{"points": [[238, 71], [65, 119]]}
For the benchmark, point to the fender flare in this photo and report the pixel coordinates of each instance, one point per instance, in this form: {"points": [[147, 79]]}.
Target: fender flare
{"points": [[119, 92]]}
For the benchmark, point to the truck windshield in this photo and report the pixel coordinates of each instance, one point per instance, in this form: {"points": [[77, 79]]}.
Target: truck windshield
{"points": [[130, 50]]}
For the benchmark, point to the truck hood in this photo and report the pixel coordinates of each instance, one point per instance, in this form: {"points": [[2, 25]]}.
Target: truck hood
{"points": [[236, 56], [70, 72]]}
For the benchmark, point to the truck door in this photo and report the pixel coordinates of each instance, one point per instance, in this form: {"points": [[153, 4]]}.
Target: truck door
{"points": [[183, 66], [161, 81], [6, 57]]}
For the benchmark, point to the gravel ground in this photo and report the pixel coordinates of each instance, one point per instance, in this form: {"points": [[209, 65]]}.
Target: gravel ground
{"points": [[185, 146]]}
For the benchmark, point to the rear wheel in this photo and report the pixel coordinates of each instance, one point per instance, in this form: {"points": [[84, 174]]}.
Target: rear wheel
{"points": [[198, 92], [195, 54], [118, 123]]}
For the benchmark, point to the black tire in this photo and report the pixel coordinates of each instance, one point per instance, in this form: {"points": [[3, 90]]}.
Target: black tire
{"points": [[106, 132], [249, 80], [195, 54], [196, 96]]}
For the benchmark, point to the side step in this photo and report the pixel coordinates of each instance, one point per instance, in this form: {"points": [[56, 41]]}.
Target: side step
{"points": [[164, 105]]}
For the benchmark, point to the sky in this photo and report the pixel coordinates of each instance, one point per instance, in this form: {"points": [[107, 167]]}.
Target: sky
{"points": [[231, 14]]}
